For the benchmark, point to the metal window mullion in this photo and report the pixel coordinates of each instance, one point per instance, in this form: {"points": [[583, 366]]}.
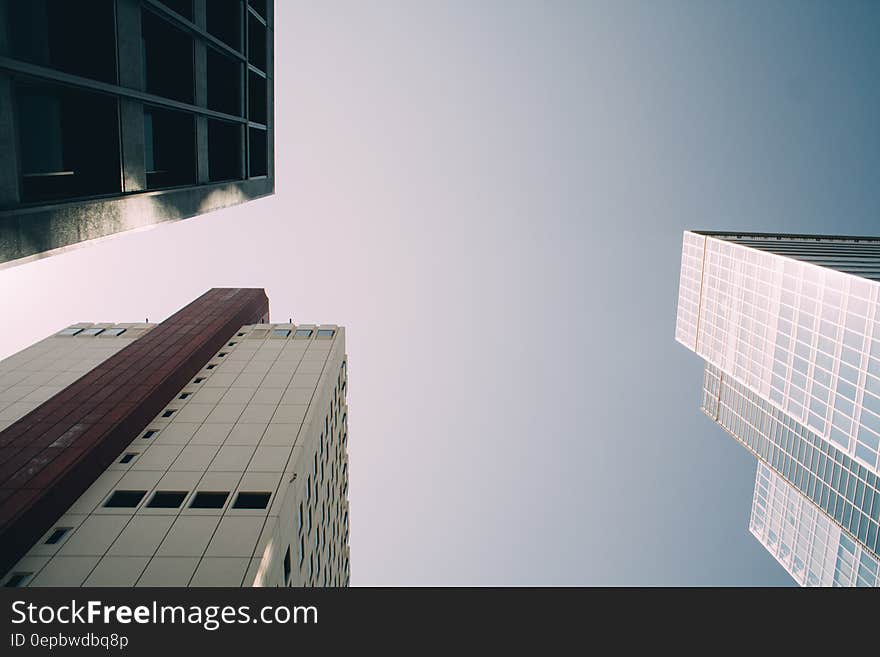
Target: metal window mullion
{"points": [[256, 15], [863, 366], [860, 378], [792, 340], [245, 141]]}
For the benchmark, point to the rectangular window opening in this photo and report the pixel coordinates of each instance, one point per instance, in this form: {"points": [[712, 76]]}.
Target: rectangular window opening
{"points": [[169, 148], [257, 153], [125, 499], [167, 58], [223, 19], [209, 500], [165, 499], [257, 43], [224, 82], [73, 37], [248, 500], [69, 142], [57, 534], [258, 98], [18, 579], [225, 148]]}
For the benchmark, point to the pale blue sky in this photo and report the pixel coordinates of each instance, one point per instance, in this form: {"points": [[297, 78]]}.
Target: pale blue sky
{"points": [[490, 196]]}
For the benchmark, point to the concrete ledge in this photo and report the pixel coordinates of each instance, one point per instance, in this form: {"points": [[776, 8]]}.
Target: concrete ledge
{"points": [[34, 232]]}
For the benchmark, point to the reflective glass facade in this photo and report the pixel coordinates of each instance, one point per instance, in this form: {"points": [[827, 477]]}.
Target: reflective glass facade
{"points": [[845, 490], [805, 541], [789, 328], [803, 335]]}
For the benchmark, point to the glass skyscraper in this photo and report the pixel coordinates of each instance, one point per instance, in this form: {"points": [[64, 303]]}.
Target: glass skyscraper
{"points": [[789, 328]]}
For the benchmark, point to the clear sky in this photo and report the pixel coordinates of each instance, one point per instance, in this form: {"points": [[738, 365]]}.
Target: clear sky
{"points": [[490, 197]]}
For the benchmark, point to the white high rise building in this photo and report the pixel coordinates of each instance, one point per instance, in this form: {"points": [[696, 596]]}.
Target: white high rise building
{"points": [[218, 457]]}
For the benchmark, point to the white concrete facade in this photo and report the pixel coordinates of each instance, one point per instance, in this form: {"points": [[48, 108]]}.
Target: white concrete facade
{"points": [[33, 375], [241, 480]]}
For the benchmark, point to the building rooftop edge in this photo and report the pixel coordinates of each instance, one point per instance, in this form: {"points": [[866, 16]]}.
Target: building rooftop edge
{"points": [[796, 236]]}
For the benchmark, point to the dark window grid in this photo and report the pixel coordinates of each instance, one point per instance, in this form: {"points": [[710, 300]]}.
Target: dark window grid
{"points": [[195, 31], [225, 83], [63, 24], [41, 73], [110, 181], [257, 155], [227, 151], [225, 19], [247, 94], [168, 56], [261, 61], [120, 92], [174, 148]]}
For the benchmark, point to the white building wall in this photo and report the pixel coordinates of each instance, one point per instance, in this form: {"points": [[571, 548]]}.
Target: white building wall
{"points": [[37, 373], [266, 415]]}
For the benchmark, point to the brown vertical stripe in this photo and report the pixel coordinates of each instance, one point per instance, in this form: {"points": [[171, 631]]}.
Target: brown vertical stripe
{"points": [[52, 455]]}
